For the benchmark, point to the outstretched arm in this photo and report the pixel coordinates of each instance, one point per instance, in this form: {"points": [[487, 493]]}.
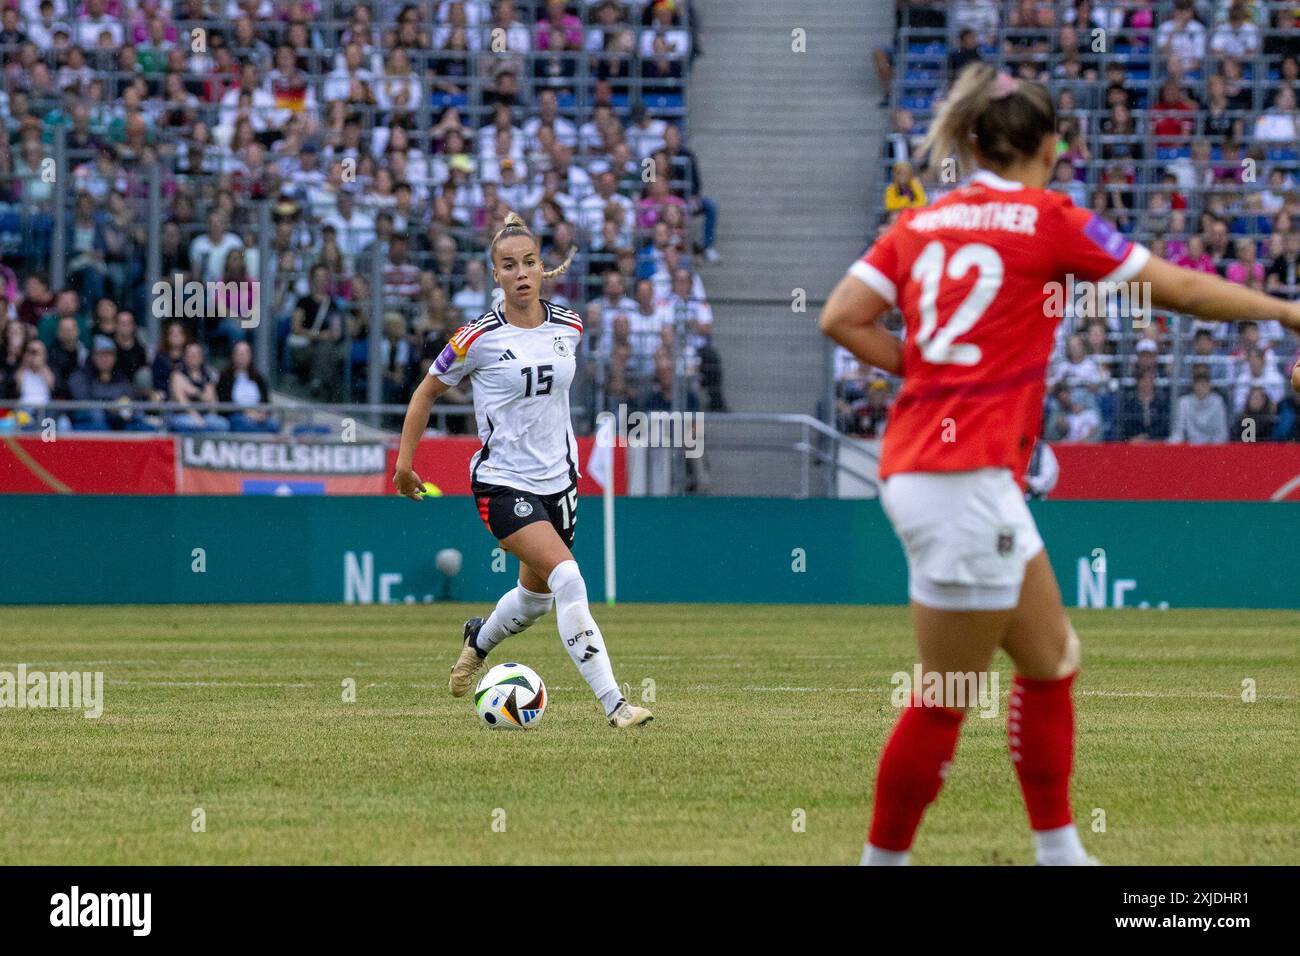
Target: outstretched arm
{"points": [[1208, 296], [417, 420], [851, 316]]}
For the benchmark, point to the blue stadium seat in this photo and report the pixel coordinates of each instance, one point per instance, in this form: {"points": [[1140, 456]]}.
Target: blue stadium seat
{"points": [[665, 103]]}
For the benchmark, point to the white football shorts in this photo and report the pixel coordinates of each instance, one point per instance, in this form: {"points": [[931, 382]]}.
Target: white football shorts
{"points": [[968, 536]]}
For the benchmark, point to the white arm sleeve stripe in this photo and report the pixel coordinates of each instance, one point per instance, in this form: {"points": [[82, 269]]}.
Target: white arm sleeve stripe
{"points": [[1133, 264], [875, 280]]}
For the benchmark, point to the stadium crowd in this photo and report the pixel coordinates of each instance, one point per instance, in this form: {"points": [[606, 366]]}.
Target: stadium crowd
{"points": [[305, 149], [1178, 124]]}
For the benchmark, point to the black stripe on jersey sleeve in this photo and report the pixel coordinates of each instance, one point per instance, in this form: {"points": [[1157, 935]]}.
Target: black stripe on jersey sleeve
{"points": [[562, 316], [483, 452]]}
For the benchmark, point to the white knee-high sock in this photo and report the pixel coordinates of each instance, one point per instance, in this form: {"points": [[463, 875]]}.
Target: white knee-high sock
{"points": [[517, 611], [581, 636]]}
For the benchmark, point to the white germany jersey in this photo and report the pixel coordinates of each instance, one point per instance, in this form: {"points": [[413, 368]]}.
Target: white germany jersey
{"points": [[520, 380]]}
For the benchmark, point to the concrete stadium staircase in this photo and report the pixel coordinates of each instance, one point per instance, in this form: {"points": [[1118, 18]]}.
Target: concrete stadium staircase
{"points": [[785, 142]]}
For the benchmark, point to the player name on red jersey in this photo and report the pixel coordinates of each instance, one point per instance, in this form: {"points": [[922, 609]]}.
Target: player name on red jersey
{"points": [[1006, 216]]}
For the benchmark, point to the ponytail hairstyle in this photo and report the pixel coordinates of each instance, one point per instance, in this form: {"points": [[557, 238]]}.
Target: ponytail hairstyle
{"points": [[991, 114], [515, 226]]}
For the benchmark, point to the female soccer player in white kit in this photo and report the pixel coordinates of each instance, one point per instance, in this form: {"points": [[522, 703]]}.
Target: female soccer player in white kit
{"points": [[520, 358]]}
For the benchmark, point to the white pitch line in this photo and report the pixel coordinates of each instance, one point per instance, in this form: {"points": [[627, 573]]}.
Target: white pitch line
{"points": [[757, 689], [196, 683]]}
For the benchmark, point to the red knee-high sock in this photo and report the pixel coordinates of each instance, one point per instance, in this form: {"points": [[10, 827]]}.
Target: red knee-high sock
{"points": [[912, 768], [1040, 732]]}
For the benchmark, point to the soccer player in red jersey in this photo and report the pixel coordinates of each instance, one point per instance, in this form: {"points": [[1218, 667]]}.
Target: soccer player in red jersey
{"points": [[972, 275]]}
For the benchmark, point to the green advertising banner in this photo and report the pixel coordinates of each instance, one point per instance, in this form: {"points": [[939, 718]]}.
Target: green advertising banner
{"points": [[264, 549]]}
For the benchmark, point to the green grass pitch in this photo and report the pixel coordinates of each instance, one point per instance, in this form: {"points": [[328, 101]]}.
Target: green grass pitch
{"points": [[761, 712]]}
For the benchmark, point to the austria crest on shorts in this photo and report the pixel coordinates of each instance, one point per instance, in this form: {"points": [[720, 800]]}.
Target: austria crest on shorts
{"points": [[523, 508], [1006, 541]]}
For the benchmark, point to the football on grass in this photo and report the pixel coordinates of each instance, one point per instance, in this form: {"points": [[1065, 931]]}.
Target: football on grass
{"points": [[510, 695]]}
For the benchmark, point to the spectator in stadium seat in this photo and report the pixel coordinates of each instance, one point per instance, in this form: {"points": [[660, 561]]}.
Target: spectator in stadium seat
{"points": [[1259, 373], [13, 345], [1098, 346], [1273, 197], [967, 51], [354, 227], [902, 142], [557, 17], [474, 298], [904, 190], [1066, 183], [1284, 271], [1218, 242], [591, 210], [1278, 125], [666, 25], [1146, 352], [292, 89], [1144, 414], [193, 382], [32, 378], [982, 16], [104, 321], [171, 351], [95, 22], [100, 380], [607, 17], [862, 404], [67, 354], [645, 133], [1072, 418], [316, 340], [1258, 417], [37, 300], [1238, 37], [1251, 335], [1077, 368], [1201, 417], [1216, 120], [1182, 36], [644, 324], [1117, 87], [614, 66], [1246, 267], [1174, 114], [208, 252], [1205, 355], [662, 72], [240, 383], [1240, 92], [131, 353], [651, 206]]}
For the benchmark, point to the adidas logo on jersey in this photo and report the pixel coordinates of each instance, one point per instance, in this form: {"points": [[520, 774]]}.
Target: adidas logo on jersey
{"points": [[507, 356]]}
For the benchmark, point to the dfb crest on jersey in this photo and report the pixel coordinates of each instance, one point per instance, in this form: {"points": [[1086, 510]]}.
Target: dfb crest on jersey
{"points": [[523, 508], [1006, 541], [561, 347]]}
